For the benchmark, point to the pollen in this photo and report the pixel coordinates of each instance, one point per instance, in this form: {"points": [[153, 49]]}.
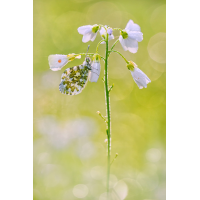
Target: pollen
{"points": [[59, 60]]}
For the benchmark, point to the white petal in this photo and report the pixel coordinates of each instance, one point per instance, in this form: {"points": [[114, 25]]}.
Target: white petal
{"points": [[102, 31], [140, 78], [86, 37], [95, 72], [111, 37], [57, 61], [139, 84], [141, 73], [139, 81], [122, 43], [131, 26], [93, 36], [131, 45], [85, 29], [136, 35]]}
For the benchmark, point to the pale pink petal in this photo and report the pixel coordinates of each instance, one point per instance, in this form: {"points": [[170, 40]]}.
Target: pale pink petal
{"points": [[86, 38], [122, 43], [95, 72], [85, 29], [93, 36], [102, 31], [139, 84], [132, 27], [136, 35], [131, 45], [140, 78], [111, 37], [141, 73]]}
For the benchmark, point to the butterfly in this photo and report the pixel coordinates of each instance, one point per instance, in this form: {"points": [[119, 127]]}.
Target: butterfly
{"points": [[74, 79]]}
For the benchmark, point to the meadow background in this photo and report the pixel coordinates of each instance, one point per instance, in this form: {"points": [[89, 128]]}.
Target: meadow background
{"points": [[69, 149]]}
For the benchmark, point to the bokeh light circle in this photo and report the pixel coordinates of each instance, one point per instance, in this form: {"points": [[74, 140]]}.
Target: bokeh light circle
{"points": [[157, 47], [80, 191]]}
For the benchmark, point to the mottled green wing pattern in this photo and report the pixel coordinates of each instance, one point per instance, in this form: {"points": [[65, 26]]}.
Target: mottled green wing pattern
{"points": [[74, 79]]}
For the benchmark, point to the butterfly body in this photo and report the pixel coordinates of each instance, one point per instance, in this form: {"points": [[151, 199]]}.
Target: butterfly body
{"points": [[74, 79]]}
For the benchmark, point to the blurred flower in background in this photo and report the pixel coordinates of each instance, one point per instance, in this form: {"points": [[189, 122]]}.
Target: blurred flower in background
{"points": [[61, 135]]}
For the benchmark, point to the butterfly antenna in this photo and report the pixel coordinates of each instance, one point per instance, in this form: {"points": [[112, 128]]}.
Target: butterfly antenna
{"points": [[87, 50]]}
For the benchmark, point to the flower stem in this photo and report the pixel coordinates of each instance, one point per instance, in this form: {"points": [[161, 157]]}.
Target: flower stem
{"points": [[89, 54], [120, 55], [107, 99], [119, 29], [98, 45], [114, 44]]}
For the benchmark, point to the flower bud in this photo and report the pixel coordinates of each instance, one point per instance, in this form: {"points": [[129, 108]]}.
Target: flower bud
{"points": [[109, 31]]}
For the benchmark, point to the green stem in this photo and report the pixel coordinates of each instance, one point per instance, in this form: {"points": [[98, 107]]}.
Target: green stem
{"points": [[97, 49], [119, 29], [89, 54], [114, 44], [107, 98], [120, 55], [82, 54]]}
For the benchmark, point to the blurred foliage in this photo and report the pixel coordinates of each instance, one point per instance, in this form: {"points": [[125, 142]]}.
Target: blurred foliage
{"points": [[69, 149]]}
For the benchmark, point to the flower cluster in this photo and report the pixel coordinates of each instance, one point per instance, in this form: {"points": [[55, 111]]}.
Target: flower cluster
{"points": [[129, 38]]}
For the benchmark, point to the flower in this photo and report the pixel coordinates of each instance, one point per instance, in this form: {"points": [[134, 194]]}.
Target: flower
{"points": [[103, 34], [139, 76], [130, 36], [95, 69], [89, 32], [57, 61]]}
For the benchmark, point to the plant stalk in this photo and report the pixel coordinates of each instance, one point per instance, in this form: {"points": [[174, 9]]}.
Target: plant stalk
{"points": [[107, 99]]}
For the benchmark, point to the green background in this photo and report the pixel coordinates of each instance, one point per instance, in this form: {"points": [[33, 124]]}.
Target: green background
{"points": [[69, 149]]}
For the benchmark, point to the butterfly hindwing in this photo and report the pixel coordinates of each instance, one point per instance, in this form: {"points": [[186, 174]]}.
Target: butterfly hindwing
{"points": [[74, 79]]}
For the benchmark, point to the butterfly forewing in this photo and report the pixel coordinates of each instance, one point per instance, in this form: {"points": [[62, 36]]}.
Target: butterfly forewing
{"points": [[74, 79]]}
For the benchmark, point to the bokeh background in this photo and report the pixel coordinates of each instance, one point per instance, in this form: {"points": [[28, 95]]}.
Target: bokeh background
{"points": [[69, 149]]}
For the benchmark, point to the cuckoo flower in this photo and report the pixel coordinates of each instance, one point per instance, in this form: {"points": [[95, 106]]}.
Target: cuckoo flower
{"points": [[89, 32], [130, 36], [139, 76], [103, 34], [95, 71]]}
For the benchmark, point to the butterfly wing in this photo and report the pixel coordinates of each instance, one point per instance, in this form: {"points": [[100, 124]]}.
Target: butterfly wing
{"points": [[74, 79]]}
